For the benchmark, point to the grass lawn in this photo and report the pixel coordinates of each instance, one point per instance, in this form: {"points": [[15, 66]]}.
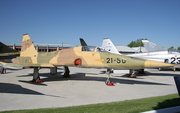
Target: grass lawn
{"points": [[128, 106]]}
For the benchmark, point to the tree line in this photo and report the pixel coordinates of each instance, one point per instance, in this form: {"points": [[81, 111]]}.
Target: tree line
{"points": [[139, 43]]}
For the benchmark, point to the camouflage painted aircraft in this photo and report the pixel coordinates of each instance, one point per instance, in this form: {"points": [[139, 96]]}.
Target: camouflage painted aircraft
{"points": [[83, 56], [6, 54]]}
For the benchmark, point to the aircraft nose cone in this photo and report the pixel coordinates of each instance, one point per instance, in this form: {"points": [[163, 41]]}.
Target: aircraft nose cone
{"points": [[149, 63], [15, 60]]}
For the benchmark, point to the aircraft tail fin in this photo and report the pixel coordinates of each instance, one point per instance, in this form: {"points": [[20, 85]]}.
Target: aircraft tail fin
{"points": [[28, 49], [151, 46], [109, 46], [83, 43]]}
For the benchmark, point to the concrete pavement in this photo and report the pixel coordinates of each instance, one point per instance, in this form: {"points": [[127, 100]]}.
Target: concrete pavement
{"points": [[87, 86]]}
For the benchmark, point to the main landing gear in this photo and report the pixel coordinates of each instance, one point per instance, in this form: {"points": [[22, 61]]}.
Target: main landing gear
{"points": [[132, 74], [66, 72], [2, 70], [36, 77], [108, 82]]}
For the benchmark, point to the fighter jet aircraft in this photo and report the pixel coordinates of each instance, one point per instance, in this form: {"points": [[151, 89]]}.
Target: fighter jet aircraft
{"points": [[82, 56], [168, 56], [6, 54]]}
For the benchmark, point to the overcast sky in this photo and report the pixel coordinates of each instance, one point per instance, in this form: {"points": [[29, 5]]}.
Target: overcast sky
{"points": [[123, 21]]}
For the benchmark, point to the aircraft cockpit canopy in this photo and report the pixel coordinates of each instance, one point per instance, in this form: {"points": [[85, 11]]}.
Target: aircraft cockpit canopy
{"points": [[93, 49], [174, 51]]}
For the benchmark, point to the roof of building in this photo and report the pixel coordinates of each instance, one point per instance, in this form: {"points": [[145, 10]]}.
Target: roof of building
{"points": [[41, 45], [124, 49], [137, 49], [131, 50]]}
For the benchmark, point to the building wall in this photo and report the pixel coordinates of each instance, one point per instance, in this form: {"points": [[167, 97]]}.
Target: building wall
{"points": [[41, 49]]}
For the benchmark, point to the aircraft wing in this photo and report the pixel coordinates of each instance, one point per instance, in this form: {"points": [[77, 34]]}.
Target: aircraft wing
{"points": [[6, 57], [6, 49], [7, 53]]}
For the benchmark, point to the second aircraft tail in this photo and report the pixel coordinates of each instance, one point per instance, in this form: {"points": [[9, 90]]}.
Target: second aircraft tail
{"points": [[109, 46], [151, 46]]}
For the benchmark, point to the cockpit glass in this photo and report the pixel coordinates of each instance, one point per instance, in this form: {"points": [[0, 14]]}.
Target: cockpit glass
{"points": [[174, 51], [100, 49], [88, 48], [92, 49]]}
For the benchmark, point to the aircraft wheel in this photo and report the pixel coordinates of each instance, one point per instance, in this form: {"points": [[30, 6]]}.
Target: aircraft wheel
{"points": [[159, 69], [174, 69]]}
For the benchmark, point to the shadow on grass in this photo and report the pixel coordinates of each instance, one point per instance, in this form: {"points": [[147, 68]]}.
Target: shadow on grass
{"points": [[168, 103]]}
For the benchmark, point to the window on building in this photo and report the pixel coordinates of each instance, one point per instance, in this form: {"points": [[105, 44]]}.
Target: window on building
{"points": [[18, 49]]}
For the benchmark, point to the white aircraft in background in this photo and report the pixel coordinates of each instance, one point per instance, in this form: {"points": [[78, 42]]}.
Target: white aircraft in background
{"points": [[161, 54], [155, 52]]}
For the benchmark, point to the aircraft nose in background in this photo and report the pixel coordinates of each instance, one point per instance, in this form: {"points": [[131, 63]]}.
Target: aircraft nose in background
{"points": [[15, 60], [12, 60]]}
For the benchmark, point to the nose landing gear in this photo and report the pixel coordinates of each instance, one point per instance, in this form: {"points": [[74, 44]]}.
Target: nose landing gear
{"points": [[108, 82]]}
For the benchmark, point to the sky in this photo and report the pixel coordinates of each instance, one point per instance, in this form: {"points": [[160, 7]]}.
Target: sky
{"points": [[65, 21]]}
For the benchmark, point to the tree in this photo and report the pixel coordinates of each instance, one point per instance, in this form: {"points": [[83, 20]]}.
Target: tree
{"points": [[178, 48], [136, 43], [171, 48]]}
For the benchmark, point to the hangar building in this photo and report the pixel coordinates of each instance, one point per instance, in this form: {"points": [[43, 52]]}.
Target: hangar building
{"points": [[128, 50], [41, 47], [54, 47]]}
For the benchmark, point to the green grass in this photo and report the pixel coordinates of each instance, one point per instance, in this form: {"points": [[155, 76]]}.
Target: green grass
{"points": [[128, 106]]}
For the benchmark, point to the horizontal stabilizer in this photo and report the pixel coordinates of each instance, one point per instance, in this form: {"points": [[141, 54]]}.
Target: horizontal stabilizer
{"points": [[11, 65]]}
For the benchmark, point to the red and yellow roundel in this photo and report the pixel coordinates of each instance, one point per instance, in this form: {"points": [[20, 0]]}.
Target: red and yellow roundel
{"points": [[29, 60]]}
